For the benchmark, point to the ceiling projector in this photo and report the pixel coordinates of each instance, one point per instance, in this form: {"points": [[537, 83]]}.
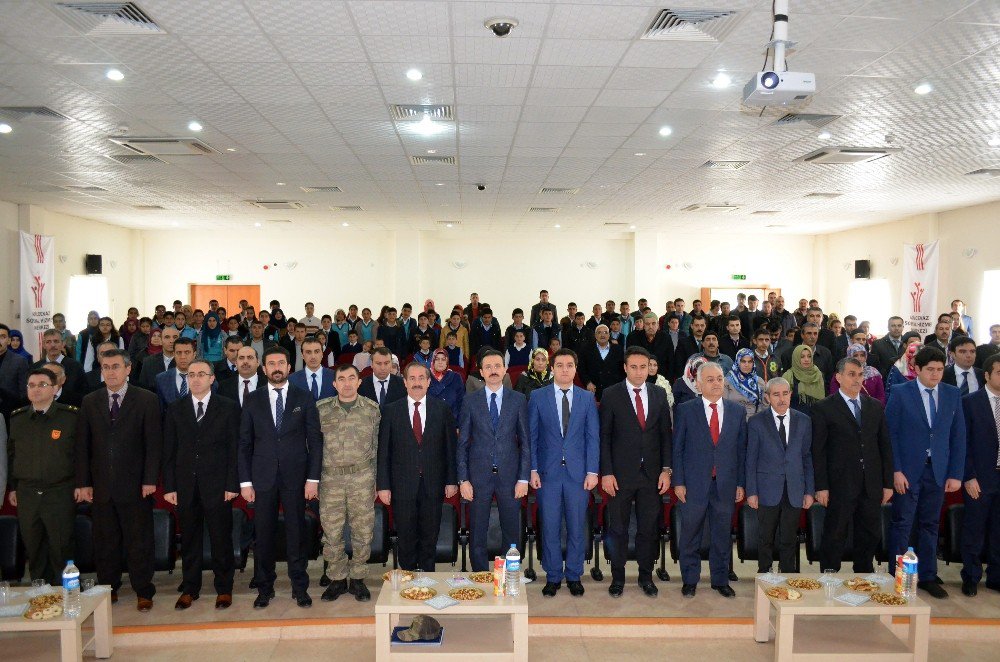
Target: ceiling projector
{"points": [[779, 88]]}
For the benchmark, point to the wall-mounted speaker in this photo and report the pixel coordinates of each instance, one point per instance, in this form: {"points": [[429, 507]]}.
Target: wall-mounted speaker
{"points": [[862, 269], [93, 265]]}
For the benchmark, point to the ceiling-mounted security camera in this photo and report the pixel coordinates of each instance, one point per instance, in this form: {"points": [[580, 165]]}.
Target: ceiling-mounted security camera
{"points": [[481, 187], [500, 26]]}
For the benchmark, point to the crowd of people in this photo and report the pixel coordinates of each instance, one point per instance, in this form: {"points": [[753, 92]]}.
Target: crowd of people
{"points": [[720, 404]]}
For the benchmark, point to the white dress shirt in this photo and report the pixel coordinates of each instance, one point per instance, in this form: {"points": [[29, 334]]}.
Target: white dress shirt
{"points": [[309, 380], [167, 360], [708, 412], [559, 398], [177, 380], [252, 385], [203, 401], [643, 396], [489, 397], [970, 375], [378, 388], [925, 398], [787, 416], [411, 404]]}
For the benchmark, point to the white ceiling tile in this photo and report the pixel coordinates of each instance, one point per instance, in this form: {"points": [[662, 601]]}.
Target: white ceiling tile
{"points": [[557, 97], [570, 76], [346, 73], [490, 96], [407, 49], [301, 17], [586, 52], [201, 17], [333, 49], [631, 98], [490, 50]]}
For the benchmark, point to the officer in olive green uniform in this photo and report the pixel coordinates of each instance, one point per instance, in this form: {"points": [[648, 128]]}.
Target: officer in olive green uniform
{"points": [[347, 483], [43, 477]]}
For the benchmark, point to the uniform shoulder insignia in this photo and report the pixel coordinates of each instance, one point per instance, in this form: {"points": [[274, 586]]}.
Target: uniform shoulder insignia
{"points": [[20, 411], [65, 407]]}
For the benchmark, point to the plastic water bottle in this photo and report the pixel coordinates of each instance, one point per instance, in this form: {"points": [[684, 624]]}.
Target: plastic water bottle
{"points": [[909, 574], [71, 590], [513, 571]]}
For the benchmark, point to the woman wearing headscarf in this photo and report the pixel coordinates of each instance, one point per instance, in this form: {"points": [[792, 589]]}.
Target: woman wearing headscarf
{"points": [[83, 338], [905, 368], [394, 365], [432, 317], [872, 386], [211, 338], [654, 377], [686, 388], [538, 373], [445, 383], [17, 345], [806, 380], [154, 347], [128, 329], [106, 332], [743, 386], [140, 338], [279, 322]]}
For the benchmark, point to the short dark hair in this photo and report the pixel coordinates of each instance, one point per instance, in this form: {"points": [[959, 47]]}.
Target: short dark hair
{"points": [[382, 351], [579, 314], [211, 368], [180, 342], [312, 340], [407, 306], [275, 302], [416, 364], [762, 331], [990, 362], [352, 332], [518, 311], [488, 353], [451, 334], [44, 372], [636, 351], [926, 355], [541, 292], [234, 340], [275, 349], [344, 367], [850, 317], [571, 303], [566, 351], [850, 360], [114, 353], [300, 325], [958, 341], [326, 317], [485, 311]]}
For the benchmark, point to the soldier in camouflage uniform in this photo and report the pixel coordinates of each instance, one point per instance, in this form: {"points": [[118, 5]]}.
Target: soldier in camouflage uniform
{"points": [[347, 483]]}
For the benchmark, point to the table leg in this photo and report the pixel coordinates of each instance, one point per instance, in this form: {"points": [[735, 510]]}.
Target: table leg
{"points": [[761, 616], [71, 644], [886, 620], [784, 637], [103, 638], [920, 626], [519, 627], [383, 635]]}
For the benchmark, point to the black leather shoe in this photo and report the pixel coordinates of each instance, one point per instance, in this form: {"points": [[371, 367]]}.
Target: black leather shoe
{"points": [[253, 583], [733, 577], [938, 580], [969, 589], [550, 589], [263, 600], [725, 591], [649, 588], [357, 588], [616, 589], [303, 600], [993, 586], [334, 590], [575, 588], [324, 581], [933, 589], [763, 571], [688, 590]]}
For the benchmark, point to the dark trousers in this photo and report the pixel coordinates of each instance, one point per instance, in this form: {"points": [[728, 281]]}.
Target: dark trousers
{"points": [[716, 512], [197, 514], [921, 505], [128, 525], [783, 519], [982, 517], [562, 496], [866, 513], [46, 517], [293, 504], [418, 521], [509, 509], [617, 516]]}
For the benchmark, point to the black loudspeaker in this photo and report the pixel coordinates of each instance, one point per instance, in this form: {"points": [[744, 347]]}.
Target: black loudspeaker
{"points": [[93, 265], [862, 268]]}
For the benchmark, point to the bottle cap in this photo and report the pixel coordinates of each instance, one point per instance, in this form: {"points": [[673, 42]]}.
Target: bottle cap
{"points": [[909, 549], [69, 562]]}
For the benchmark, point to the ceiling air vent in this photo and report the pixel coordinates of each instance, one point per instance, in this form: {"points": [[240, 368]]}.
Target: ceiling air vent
{"points": [[691, 25], [711, 207], [32, 113], [147, 207], [416, 112], [320, 189], [542, 210], [132, 159], [765, 212], [846, 155], [348, 208], [279, 221], [984, 172], [164, 146], [813, 119], [563, 191], [108, 18], [724, 165], [85, 189], [828, 196], [449, 224], [614, 224], [277, 204], [428, 160]]}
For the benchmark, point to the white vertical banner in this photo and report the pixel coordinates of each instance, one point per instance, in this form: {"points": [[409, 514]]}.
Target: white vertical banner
{"points": [[918, 300], [37, 289]]}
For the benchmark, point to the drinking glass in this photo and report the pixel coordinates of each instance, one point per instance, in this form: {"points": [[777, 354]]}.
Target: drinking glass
{"points": [[37, 583], [4, 592]]}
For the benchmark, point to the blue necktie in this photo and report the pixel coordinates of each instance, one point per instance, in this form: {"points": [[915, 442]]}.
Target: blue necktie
{"points": [[933, 406], [857, 411], [315, 388], [964, 388], [184, 386], [494, 412], [279, 410]]}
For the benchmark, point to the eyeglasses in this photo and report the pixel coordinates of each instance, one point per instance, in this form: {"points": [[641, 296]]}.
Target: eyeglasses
{"points": [[40, 385], [199, 375]]}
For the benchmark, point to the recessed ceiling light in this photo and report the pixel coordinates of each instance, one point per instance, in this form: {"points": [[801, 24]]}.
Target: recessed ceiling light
{"points": [[994, 141], [427, 126], [721, 81], [345, 224], [195, 126], [665, 131], [5, 128], [824, 135], [631, 227], [439, 184], [447, 225], [279, 183], [640, 153], [557, 226], [175, 224], [114, 74], [414, 74], [432, 151], [230, 149], [923, 88], [256, 225]]}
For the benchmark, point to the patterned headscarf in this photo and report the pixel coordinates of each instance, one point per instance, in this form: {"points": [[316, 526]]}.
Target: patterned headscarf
{"points": [[690, 375], [747, 385], [852, 353], [906, 364]]}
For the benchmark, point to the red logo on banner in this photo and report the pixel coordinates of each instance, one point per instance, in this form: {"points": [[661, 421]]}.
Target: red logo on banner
{"points": [[919, 260], [917, 294]]}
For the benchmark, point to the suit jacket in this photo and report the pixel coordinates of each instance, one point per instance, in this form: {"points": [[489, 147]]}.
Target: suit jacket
{"points": [[912, 435], [166, 388], [581, 446], [151, 367], [748, 322], [602, 372], [688, 348], [401, 460], [230, 388], [695, 455], [982, 443], [476, 342], [660, 346], [841, 448], [297, 448], [13, 382], [951, 376], [480, 448], [729, 348], [201, 455], [578, 339], [634, 455], [223, 371], [76, 381], [772, 466], [394, 390], [984, 352], [886, 354], [288, 342], [117, 459], [326, 388]]}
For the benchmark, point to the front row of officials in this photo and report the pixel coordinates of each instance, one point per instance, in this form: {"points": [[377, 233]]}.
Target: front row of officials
{"points": [[271, 442]]}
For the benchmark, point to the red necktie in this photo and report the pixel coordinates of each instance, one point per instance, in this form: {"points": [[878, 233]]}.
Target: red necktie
{"points": [[713, 425], [639, 411], [418, 430]]}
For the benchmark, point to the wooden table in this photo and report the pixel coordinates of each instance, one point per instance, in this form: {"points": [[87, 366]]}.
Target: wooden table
{"points": [[70, 630], [862, 631], [490, 628]]}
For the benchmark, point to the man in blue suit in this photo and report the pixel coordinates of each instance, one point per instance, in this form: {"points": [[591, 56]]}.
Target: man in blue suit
{"points": [[565, 458], [172, 384], [494, 457], [313, 377], [982, 482], [710, 445], [927, 430], [780, 479]]}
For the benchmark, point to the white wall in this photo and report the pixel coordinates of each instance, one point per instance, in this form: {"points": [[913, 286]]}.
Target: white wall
{"points": [[9, 273]]}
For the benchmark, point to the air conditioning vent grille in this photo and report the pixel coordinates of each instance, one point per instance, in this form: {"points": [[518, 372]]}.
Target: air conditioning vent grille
{"points": [[348, 208], [132, 159], [846, 155], [85, 188], [32, 113], [710, 207], [321, 189], [563, 191], [429, 160], [164, 146], [401, 112], [984, 172], [277, 204], [725, 165], [828, 196], [543, 210], [691, 25], [108, 18], [812, 119], [148, 207]]}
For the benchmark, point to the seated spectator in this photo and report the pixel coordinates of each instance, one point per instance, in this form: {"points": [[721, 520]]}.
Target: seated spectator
{"points": [[446, 384], [363, 359], [17, 346], [353, 345], [394, 366], [538, 374]]}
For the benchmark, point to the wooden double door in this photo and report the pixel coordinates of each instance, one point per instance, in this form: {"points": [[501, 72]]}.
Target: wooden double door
{"points": [[228, 296]]}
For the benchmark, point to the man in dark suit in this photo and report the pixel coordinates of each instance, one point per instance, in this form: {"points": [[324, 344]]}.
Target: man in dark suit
{"points": [[314, 378], [494, 457], [485, 332], [927, 429], [416, 467], [987, 350], [391, 335], [710, 444], [13, 376], [565, 458], [731, 340], [382, 386], [852, 458], [200, 444], [119, 445], [963, 372], [293, 345], [635, 467], [157, 363], [249, 377], [889, 347], [982, 483], [691, 343], [62, 395], [780, 477], [749, 318], [577, 335], [281, 449], [227, 367], [172, 384], [654, 341], [74, 383], [601, 363], [675, 347]]}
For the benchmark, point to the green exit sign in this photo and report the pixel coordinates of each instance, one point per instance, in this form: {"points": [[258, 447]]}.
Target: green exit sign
{"points": [[739, 276], [222, 277]]}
